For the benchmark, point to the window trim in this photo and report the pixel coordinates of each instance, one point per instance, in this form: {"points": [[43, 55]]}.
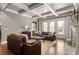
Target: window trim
{"points": [[52, 26], [43, 27], [60, 27]]}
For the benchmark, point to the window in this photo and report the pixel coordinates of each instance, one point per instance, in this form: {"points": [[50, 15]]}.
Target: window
{"points": [[60, 27], [45, 26], [51, 26]]}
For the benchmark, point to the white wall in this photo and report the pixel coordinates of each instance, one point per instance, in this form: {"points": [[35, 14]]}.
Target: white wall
{"points": [[77, 37], [67, 20], [13, 23], [77, 40]]}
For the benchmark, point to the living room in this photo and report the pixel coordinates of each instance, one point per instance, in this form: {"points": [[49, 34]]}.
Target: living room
{"points": [[37, 28]]}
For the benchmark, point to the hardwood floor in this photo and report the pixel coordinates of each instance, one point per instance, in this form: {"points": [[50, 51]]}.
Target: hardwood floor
{"points": [[53, 48], [5, 51], [47, 48], [58, 47]]}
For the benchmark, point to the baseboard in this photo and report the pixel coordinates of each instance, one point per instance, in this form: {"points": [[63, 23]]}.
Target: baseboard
{"points": [[4, 42]]}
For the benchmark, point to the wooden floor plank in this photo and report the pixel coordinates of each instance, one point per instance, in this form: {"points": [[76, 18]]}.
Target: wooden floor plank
{"points": [[5, 51], [47, 48]]}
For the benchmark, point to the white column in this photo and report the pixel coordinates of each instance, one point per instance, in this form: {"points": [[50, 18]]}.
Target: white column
{"points": [[77, 39], [31, 29]]}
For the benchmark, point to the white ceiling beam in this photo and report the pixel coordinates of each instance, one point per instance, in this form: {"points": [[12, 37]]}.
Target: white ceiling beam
{"points": [[51, 9], [27, 15], [5, 6], [15, 12], [65, 11], [20, 5], [61, 12], [10, 10]]}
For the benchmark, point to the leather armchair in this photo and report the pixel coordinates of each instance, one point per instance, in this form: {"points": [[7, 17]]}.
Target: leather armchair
{"points": [[15, 43]]}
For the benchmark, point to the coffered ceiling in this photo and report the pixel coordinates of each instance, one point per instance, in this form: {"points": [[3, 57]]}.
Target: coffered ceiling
{"points": [[37, 10]]}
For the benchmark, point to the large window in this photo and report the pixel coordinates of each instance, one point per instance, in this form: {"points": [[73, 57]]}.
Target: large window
{"points": [[60, 27], [45, 26], [51, 26]]}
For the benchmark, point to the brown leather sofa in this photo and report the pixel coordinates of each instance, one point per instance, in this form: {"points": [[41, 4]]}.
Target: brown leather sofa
{"points": [[48, 36], [15, 43], [18, 45], [45, 33]]}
